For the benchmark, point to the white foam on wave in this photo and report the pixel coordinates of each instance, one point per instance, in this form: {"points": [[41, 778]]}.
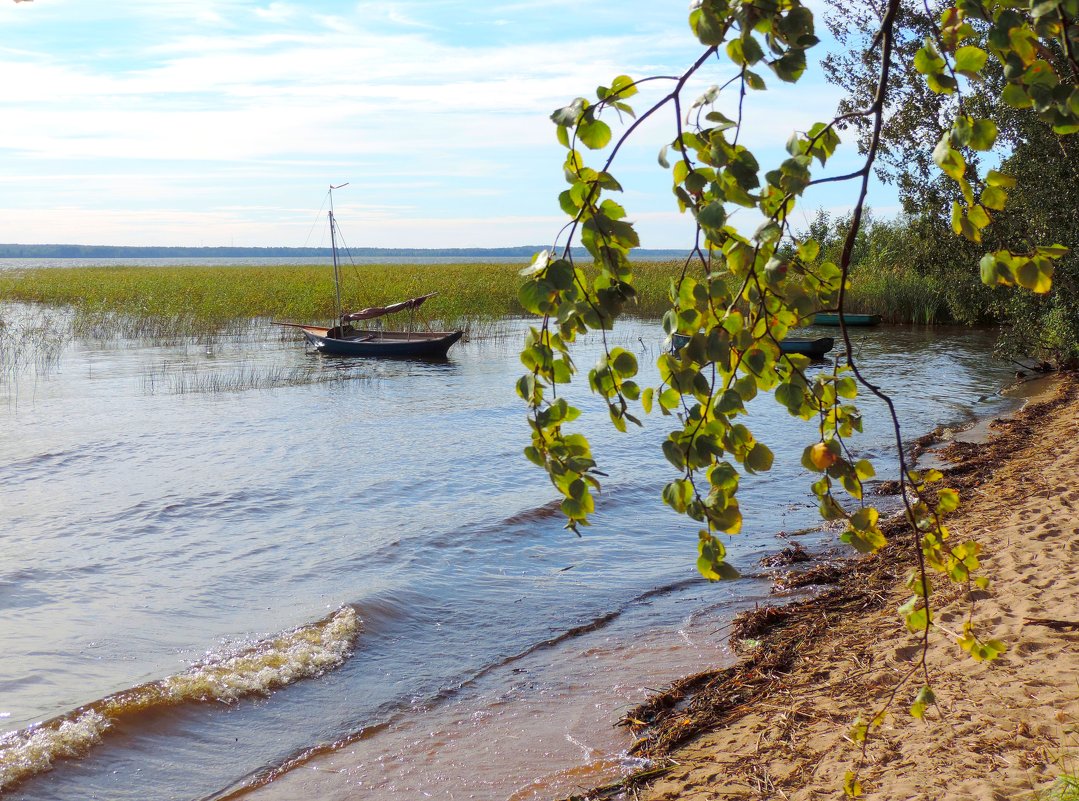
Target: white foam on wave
{"points": [[256, 669], [298, 654], [24, 753]]}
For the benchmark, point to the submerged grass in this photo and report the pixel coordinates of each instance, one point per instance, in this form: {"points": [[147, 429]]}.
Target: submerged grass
{"points": [[31, 337], [184, 378]]}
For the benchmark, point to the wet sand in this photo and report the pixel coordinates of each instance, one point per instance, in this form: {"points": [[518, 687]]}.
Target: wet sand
{"points": [[778, 725]]}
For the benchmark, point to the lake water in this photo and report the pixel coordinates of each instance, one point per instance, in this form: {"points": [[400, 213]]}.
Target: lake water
{"points": [[253, 562]]}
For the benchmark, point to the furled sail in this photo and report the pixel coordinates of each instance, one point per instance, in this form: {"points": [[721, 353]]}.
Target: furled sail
{"points": [[378, 311]]}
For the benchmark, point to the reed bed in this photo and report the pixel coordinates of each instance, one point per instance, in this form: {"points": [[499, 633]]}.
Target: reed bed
{"points": [[169, 304], [898, 294], [193, 301]]}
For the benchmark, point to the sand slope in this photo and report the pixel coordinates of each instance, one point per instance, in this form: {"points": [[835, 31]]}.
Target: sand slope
{"points": [[1002, 729]]}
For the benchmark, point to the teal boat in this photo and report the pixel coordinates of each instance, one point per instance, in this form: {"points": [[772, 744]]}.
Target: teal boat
{"points": [[813, 348], [831, 318]]}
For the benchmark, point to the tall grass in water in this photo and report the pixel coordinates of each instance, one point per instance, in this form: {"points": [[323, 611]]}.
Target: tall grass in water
{"points": [[31, 336], [169, 302], [184, 378], [899, 295]]}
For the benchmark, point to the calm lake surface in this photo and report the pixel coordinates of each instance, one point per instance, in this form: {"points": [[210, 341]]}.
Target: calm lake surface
{"points": [[242, 553]]}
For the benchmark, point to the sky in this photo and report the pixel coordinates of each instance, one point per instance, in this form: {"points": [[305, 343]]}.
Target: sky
{"points": [[193, 123]]}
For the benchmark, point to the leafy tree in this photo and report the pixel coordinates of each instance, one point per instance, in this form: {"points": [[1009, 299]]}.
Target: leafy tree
{"points": [[1032, 140], [739, 295]]}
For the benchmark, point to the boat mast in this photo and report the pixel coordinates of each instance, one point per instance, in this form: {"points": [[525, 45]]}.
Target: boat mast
{"points": [[333, 246]]}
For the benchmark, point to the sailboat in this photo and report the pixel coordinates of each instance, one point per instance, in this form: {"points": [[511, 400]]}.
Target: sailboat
{"points": [[344, 339]]}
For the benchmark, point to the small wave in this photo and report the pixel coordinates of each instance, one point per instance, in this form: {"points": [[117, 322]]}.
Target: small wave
{"points": [[547, 510], [255, 670], [265, 776]]}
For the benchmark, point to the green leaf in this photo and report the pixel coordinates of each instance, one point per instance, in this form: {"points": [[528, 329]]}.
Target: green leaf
{"points": [[978, 217], [623, 362], [846, 387], [917, 620], [623, 86], [754, 81], [922, 701], [759, 459], [993, 198], [991, 272], [947, 501], [941, 84], [983, 134], [949, 159], [970, 60], [595, 135], [1016, 96], [808, 251], [790, 67], [539, 263], [567, 116], [927, 60], [713, 216], [1035, 277], [994, 178], [852, 788]]}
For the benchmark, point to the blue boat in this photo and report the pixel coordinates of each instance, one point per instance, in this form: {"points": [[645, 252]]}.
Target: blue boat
{"points": [[832, 319], [813, 348]]}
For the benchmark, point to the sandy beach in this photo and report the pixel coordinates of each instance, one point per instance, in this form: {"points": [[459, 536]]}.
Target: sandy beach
{"points": [[778, 725]]}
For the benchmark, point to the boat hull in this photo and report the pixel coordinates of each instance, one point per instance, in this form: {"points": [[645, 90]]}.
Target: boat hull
{"points": [[383, 344], [813, 348], [828, 318]]}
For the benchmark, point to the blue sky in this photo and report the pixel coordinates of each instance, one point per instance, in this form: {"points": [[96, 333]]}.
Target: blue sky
{"points": [[184, 122]]}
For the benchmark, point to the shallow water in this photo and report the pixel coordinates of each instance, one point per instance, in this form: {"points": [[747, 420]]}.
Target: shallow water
{"points": [[160, 517]]}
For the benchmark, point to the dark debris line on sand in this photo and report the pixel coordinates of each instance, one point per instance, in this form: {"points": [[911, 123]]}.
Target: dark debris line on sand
{"points": [[713, 699]]}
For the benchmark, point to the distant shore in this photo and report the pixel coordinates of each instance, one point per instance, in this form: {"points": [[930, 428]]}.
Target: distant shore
{"points": [[777, 725]]}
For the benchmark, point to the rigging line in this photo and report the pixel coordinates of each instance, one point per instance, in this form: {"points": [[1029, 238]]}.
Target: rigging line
{"points": [[317, 220], [348, 251]]}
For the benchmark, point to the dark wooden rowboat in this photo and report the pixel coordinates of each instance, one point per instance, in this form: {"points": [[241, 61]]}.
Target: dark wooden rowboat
{"points": [[831, 318], [813, 348], [343, 339], [348, 341]]}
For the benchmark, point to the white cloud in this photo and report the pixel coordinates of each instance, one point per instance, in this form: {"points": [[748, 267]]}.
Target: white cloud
{"points": [[215, 111]]}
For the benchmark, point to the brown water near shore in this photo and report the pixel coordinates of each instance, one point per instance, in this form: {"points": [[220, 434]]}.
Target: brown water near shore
{"points": [[552, 733]]}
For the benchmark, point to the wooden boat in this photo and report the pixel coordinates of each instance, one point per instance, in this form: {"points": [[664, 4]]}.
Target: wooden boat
{"points": [[343, 339], [832, 318], [813, 348]]}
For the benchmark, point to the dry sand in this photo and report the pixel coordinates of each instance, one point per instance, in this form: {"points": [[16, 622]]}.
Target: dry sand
{"points": [[778, 726]]}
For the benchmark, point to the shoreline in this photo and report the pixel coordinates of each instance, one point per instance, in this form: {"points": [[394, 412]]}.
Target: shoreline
{"points": [[776, 724]]}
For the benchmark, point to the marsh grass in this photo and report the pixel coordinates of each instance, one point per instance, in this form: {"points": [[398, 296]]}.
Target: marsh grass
{"points": [[184, 378], [170, 303], [31, 336], [899, 295]]}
